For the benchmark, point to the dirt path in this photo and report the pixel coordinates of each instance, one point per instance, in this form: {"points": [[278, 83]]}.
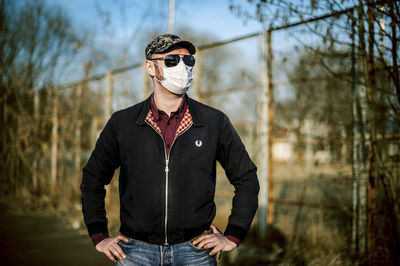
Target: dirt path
{"points": [[31, 239]]}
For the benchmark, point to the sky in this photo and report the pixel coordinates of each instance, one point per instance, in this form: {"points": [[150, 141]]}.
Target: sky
{"points": [[122, 28], [129, 17], [125, 23], [119, 24]]}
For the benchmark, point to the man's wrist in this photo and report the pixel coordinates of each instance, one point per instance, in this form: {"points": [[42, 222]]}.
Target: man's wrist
{"points": [[233, 239], [98, 237]]}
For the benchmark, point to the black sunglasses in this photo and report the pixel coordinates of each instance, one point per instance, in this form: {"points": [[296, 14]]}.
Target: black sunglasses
{"points": [[171, 60]]}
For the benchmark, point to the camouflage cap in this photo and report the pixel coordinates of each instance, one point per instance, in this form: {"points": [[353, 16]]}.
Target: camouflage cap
{"points": [[163, 42]]}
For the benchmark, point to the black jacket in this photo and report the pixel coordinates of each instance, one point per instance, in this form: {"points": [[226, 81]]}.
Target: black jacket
{"points": [[183, 184]]}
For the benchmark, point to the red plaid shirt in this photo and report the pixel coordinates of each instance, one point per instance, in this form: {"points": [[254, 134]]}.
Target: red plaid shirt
{"points": [[168, 124]]}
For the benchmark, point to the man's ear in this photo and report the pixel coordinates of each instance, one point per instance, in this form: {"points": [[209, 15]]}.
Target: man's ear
{"points": [[150, 68]]}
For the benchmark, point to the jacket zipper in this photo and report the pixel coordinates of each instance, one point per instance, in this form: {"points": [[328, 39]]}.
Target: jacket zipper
{"points": [[166, 177]]}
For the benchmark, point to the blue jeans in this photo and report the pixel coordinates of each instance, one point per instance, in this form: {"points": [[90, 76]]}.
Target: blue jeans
{"points": [[142, 253]]}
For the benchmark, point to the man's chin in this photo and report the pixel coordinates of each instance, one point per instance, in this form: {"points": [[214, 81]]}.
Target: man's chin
{"points": [[174, 93]]}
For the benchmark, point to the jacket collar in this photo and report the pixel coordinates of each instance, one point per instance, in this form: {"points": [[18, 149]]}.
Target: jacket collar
{"points": [[192, 105], [194, 111], [143, 112]]}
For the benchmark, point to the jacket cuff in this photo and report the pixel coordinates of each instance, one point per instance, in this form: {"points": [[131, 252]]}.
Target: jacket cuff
{"points": [[235, 231], [98, 237], [97, 227]]}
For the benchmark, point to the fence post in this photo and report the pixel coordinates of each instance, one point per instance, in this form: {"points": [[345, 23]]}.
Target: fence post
{"points": [[54, 142], [107, 115], [360, 118], [270, 97], [198, 73], [109, 96], [262, 138], [265, 131], [364, 130], [355, 166], [36, 105], [308, 141], [77, 138], [372, 163], [171, 19], [93, 132]]}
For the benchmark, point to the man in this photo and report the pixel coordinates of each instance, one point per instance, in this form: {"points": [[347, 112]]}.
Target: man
{"points": [[166, 148]]}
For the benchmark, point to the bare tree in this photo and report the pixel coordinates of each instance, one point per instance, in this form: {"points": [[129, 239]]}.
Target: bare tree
{"points": [[37, 43], [373, 38]]}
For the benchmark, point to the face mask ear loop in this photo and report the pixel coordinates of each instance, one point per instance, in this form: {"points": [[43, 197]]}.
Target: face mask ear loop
{"points": [[159, 81]]}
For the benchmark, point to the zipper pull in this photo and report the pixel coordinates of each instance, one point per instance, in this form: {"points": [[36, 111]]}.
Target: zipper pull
{"points": [[166, 166]]}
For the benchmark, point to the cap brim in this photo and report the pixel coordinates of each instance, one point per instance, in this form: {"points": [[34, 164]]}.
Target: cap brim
{"points": [[188, 45], [185, 44]]}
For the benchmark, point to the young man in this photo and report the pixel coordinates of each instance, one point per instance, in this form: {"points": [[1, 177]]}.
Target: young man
{"points": [[166, 148]]}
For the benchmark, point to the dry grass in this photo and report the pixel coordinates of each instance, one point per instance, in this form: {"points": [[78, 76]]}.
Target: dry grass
{"points": [[302, 235]]}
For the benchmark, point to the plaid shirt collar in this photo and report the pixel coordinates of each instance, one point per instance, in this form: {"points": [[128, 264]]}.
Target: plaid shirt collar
{"points": [[156, 111], [192, 107], [186, 121]]}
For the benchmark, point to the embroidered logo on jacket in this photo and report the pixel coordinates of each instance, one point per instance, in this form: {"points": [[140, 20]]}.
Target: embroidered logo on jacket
{"points": [[198, 143]]}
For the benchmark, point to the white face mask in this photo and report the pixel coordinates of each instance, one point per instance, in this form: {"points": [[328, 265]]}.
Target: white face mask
{"points": [[177, 79]]}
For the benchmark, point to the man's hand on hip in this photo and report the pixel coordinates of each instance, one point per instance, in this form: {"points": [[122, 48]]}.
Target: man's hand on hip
{"points": [[216, 241], [109, 246]]}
